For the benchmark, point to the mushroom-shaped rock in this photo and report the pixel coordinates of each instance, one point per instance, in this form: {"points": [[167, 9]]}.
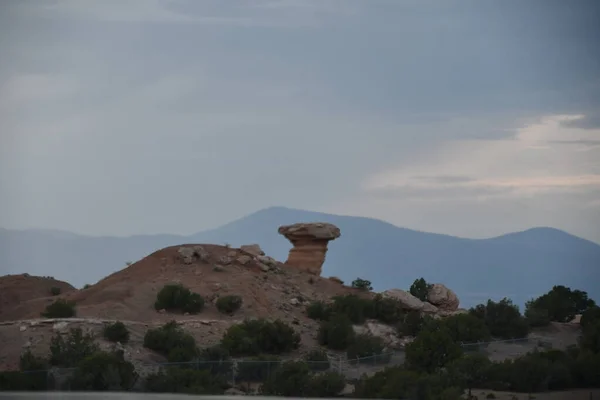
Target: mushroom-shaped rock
{"points": [[310, 244], [442, 297]]}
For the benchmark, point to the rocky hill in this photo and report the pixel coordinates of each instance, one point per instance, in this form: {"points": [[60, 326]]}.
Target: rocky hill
{"points": [[19, 289]]}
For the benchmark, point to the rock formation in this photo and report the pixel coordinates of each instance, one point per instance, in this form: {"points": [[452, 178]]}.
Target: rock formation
{"points": [[409, 301], [442, 297], [310, 244]]}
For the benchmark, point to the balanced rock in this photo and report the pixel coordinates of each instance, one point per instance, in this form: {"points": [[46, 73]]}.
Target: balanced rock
{"points": [[442, 297], [310, 244], [410, 302], [253, 249]]}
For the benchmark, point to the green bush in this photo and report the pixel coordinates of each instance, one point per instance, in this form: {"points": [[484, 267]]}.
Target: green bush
{"points": [[292, 378], [432, 350], [337, 333], [412, 323], [589, 317], [536, 317], [317, 360], [420, 289], [68, 352], [253, 337], [116, 332], [188, 381], [176, 297], [33, 374], [55, 291], [318, 310], [366, 349], [465, 328], [60, 309], [172, 342], [387, 309], [354, 307], [229, 304], [215, 359], [328, 384], [103, 371], [257, 369], [391, 383], [362, 284]]}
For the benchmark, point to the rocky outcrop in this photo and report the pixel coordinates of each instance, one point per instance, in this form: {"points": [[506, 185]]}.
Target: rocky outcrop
{"points": [[310, 244], [253, 249], [387, 333], [409, 301], [442, 297]]}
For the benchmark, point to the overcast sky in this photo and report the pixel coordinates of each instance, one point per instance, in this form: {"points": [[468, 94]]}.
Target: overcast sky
{"points": [[472, 118]]}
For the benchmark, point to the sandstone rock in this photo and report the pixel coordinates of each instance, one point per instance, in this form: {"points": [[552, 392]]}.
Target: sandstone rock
{"points": [[218, 268], [225, 260], [310, 244], [387, 333], [243, 260], [409, 301], [186, 254], [60, 326], [336, 280], [22, 328], [442, 297], [294, 302], [253, 249], [270, 261], [264, 267]]}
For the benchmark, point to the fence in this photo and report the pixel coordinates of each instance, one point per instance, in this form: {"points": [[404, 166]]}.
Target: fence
{"points": [[255, 371]]}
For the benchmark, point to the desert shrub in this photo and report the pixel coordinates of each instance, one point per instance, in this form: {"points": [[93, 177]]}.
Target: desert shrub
{"points": [[33, 374], [317, 360], [55, 291], [431, 350], [188, 381], [328, 384], [365, 349], [253, 337], [490, 396], [419, 289], [589, 317], [387, 309], [465, 328], [172, 342], [502, 318], [292, 378], [391, 383], [257, 369], [60, 309], [337, 333], [562, 303], [70, 350], [215, 359], [362, 284], [25, 381], [590, 340], [87, 286], [116, 332], [354, 307], [229, 304], [103, 371], [412, 323], [176, 297], [536, 317], [318, 310]]}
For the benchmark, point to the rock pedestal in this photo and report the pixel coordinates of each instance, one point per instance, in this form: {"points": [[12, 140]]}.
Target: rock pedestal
{"points": [[310, 244]]}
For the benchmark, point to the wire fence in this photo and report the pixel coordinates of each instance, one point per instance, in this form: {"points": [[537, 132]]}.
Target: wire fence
{"points": [[253, 371]]}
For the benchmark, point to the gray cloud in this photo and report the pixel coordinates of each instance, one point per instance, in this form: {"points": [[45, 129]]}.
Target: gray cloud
{"points": [[589, 121]]}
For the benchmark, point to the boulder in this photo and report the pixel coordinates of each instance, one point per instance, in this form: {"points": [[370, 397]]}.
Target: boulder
{"points": [[442, 297], [409, 301], [310, 244], [253, 249], [387, 333]]}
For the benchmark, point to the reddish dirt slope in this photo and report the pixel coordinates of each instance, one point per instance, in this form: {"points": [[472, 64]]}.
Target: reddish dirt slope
{"points": [[18, 289], [130, 293]]}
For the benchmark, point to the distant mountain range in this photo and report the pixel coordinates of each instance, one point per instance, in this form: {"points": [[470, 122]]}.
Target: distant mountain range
{"points": [[517, 265]]}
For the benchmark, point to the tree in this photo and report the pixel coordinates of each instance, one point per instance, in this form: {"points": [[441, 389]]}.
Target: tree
{"points": [[365, 347], [465, 328], [103, 371], [68, 352], [189, 381], [116, 332], [292, 378], [337, 333], [317, 360], [431, 350], [362, 284], [391, 383], [420, 288], [387, 310], [412, 323], [172, 342], [470, 370], [590, 340], [562, 303], [216, 359], [502, 318], [257, 369], [176, 297], [55, 291], [60, 309], [318, 310], [354, 307], [589, 317]]}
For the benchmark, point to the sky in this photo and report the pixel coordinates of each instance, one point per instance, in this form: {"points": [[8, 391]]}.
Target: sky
{"points": [[472, 117]]}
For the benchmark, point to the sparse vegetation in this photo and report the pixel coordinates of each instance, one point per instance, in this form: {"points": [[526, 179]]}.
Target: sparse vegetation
{"points": [[560, 304], [362, 284], [116, 332], [87, 286], [502, 318], [317, 360], [55, 291], [336, 333], [67, 351], [229, 304], [318, 310], [176, 297], [60, 309], [294, 378], [103, 371], [172, 342], [366, 348]]}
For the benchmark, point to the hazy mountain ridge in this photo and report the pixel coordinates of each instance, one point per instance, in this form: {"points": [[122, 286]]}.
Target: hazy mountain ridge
{"points": [[519, 265]]}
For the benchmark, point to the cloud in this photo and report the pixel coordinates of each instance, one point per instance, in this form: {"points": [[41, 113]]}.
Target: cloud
{"points": [[587, 121]]}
